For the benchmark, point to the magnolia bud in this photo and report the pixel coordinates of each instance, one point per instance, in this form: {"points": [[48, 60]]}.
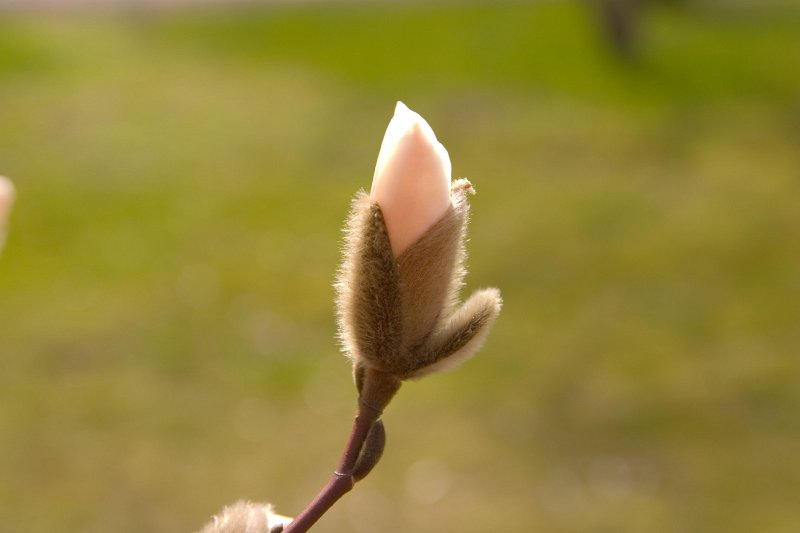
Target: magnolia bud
{"points": [[403, 267], [245, 517], [6, 200], [412, 178]]}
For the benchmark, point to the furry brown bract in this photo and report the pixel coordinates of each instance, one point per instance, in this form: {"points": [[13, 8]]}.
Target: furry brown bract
{"points": [[399, 318]]}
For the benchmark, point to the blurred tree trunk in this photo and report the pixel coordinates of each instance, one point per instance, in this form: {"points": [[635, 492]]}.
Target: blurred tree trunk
{"points": [[619, 21]]}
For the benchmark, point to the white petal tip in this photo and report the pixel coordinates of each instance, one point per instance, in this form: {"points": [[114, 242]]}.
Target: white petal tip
{"points": [[406, 120], [412, 177]]}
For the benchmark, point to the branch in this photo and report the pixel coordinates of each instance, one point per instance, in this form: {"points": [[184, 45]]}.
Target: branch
{"points": [[343, 480]]}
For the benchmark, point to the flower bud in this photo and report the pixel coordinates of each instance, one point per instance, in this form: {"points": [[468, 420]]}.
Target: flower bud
{"points": [[6, 200], [403, 267], [412, 178], [244, 516]]}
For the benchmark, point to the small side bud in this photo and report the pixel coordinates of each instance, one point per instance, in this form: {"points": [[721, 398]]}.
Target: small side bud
{"points": [[371, 452]]}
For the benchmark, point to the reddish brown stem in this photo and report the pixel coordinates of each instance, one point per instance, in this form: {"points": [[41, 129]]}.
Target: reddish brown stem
{"points": [[342, 481]]}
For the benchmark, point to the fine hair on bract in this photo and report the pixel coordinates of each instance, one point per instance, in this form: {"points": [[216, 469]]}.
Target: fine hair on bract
{"points": [[246, 517], [399, 317]]}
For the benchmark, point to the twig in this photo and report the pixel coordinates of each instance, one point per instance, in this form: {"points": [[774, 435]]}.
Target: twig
{"points": [[342, 481]]}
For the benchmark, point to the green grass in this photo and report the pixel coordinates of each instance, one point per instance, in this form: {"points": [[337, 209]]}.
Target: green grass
{"points": [[166, 320]]}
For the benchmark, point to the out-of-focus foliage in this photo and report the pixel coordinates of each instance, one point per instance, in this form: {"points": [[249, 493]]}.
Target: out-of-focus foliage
{"points": [[166, 320]]}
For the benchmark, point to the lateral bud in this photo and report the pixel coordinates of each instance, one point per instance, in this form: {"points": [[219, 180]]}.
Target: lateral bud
{"points": [[371, 452]]}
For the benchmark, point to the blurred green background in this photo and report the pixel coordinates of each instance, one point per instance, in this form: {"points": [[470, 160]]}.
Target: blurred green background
{"points": [[167, 337]]}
